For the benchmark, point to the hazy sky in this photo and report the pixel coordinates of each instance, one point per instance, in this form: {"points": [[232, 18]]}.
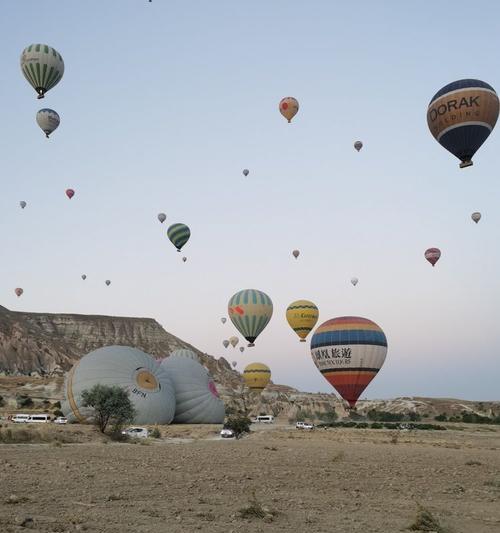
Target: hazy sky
{"points": [[163, 104]]}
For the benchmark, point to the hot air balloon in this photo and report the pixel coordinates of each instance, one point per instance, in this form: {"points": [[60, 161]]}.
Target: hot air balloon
{"points": [[432, 255], [233, 341], [108, 282], [162, 217], [197, 399], [476, 217], [349, 351], [250, 311], [242, 349], [149, 385], [462, 115], [223, 320], [70, 193], [256, 376], [22, 204], [289, 107], [184, 352], [225, 343], [246, 172], [234, 363], [358, 145], [179, 235], [184, 259], [302, 316], [18, 291], [354, 281], [84, 277], [42, 66], [296, 253], [48, 120]]}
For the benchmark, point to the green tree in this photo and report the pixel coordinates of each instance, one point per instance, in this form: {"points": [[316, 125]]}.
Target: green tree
{"points": [[111, 404], [239, 424]]}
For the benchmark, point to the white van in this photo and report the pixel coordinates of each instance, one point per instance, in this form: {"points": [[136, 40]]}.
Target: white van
{"points": [[39, 419], [267, 419], [21, 419]]}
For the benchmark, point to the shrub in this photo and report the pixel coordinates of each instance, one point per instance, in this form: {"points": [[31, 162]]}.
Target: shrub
{"points": [[441, 418], [24, 402], [155, 433], [239, 424]]}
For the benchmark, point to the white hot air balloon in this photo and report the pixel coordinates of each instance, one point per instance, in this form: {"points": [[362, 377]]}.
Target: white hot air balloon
{"points": [[48, 120], [476, 217], [354, 281], [225, 343], [150, 389], [234, 341], [42, 66], [197, 399]]}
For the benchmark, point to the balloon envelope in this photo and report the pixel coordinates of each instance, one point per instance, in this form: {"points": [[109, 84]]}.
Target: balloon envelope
{"points": [[184, 259], [184, 352], [18, 291], [289, 107], [432, 255], [42, 66], [462, 115], [234, 341], [48, 120], [296, 253], [70, 193], [22, 204], [354, 281], [234, 363], [225, 343], [302, 316], [84, 277], [108, 282], [223, 320], [256, 376], [242, 349], [179, 235], [358, 145], [246, 172], [476, 217], [349, 351], [250, 311], [162, 217]]}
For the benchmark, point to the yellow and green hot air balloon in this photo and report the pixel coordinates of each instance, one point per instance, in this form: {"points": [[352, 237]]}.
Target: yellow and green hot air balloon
{"points": [[250, 311], [256, 376], [302, 316]]}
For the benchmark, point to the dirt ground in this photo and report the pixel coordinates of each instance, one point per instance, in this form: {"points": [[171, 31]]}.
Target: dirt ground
{"points": [[337, 480]]}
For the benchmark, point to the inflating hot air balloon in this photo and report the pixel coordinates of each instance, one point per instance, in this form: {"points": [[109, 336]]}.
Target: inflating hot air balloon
{"points": [[234, 363], [432, 255], [354, 281], [42, 66], [250, 311], [225, 343], [242, 349], [476, 217], [302, 316], [48, 120], [462, 115], [18, 291], [179, 235], [256, 376], [349, 351], [233, 341], [246, 172], [22, 204], [84, 277], [108, 282], [289, 107], [296, 253], [162, 217], [184, 352], [223, 320], [184, 259], [358, 145], [70, 193]]}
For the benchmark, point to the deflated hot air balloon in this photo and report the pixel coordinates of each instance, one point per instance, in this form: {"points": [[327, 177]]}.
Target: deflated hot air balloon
{"points": [[250, 311], [22, 204], [296, 253], [179, 235], [108, 282], [354, 281], [462, 115], [256, 376], [242, 349], [18, 291], [349, 351], [197, 399], [84, 277], [233, 341], [184, 352], [246, 172], [289, 107], [150, 388], [48, 120], [476, 217], [42, 66], [432, 255], [223, 320], [70, 193], [358, 145], [162, 217], [225, 343], [302, 316]]}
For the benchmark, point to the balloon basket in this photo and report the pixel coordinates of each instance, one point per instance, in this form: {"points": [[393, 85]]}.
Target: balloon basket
{"points": [[302, 340], [465, 164], [251, 344]]}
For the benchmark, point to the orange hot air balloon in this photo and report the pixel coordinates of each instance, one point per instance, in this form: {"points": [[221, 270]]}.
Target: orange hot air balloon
{"points": [[289, 107], [432, 255]]}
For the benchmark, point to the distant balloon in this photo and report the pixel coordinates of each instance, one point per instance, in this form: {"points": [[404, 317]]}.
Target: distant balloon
{"points": [[246, 172], [48, 120], [476, 217], [70, 193], [42, 66], [289, 107], [256, 376], [296, 253], [242, 349], [250, 311], [162, 217], [234, 341], [22, 204], [223, 320], [234, 363], [225, 343], [358, 145], [354, 281], [302, 316], [84, 277], [108, 282], [184, 259], [179, 235], [349, 351], [18, 291], [432, 255], [461, 117]]}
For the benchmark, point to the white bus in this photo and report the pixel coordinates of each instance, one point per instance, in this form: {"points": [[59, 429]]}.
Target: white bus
{"points": [[39, 419], [20, 419], [267, 419]]}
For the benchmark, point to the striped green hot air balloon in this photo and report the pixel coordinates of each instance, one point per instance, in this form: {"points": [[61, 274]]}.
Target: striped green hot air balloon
{"points": [[250, 311], [42, 66], [179, 235]]}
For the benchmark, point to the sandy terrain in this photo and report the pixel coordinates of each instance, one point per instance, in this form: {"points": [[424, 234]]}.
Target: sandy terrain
{"points": [[340, 480]]}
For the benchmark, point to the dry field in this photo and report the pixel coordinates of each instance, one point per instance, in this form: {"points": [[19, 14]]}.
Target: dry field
{"points": [[276, 480]]}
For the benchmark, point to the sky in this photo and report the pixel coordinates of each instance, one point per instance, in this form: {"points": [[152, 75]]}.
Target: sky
{"points": [[163, 105]]}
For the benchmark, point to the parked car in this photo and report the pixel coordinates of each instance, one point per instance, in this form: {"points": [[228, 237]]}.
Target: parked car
{"points": [[21, 419], [227, 433], [136, 432], [307, 426], [299, 425], [61, 420]]}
